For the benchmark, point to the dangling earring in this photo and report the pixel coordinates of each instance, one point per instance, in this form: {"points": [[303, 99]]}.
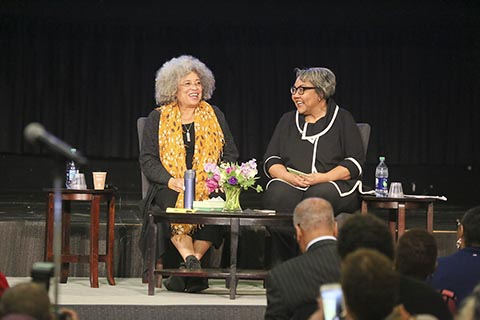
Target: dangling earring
{"points": [[458, 244]]}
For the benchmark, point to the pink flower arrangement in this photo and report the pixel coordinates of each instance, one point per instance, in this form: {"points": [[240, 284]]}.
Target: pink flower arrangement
{"points": [[232, 175]]}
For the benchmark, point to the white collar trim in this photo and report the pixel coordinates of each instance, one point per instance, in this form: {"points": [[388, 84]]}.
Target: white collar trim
{"points": [[303, 131]]}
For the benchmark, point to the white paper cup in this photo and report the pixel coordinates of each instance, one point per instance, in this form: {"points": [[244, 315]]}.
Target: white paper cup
{"points": [[99, 180]]}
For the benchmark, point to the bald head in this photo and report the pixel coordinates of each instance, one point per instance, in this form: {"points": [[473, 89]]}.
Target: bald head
{"points": [[312, 218], [313, 213]]}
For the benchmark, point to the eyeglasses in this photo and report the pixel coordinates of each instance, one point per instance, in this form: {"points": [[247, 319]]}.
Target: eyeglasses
{"points": [[458, 222], [300, 90], [189, 84]]}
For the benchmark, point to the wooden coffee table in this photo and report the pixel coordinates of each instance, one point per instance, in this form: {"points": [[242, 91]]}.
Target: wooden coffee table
{"points": [[233, 220]]}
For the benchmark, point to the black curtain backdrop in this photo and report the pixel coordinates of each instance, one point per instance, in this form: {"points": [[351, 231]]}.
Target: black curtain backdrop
{"points": [[85, 70]]}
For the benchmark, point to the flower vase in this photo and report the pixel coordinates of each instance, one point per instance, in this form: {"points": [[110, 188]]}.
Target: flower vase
{"points": [[232, 202]]}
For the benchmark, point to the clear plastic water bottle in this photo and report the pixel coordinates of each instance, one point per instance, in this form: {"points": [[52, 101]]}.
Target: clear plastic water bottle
{"points": [[381, 179], [71, 171], [189, 182]]}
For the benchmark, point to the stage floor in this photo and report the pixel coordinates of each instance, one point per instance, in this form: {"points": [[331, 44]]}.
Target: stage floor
{"points": [[131, 291], [129, 295]]}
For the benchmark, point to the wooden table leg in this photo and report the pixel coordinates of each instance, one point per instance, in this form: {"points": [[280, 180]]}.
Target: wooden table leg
{"points": [[65, 266], [364, 207], [401, 219], [49, 228], [234, 231], [110, 240], [94, 227], [430, 217]]}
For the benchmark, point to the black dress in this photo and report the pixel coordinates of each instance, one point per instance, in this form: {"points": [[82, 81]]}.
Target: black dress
{"points": [[332, 141]]}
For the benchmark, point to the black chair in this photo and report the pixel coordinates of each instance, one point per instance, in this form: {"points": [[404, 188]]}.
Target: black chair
{"points": [[140, 126], [364, 129], [145, 185]]}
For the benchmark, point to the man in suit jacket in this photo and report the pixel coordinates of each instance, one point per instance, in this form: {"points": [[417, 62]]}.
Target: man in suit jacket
{"points": [[293, 286]]}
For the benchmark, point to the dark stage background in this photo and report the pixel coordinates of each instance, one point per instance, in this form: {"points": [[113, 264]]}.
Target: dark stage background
{"points": [[85, 70]]}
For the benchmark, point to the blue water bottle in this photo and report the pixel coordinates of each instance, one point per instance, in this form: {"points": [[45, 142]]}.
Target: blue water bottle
{"points": [[381, 179], [189, 182]]}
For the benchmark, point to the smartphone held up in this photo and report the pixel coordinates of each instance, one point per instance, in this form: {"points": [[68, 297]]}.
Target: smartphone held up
{"points": [[332, 300]]}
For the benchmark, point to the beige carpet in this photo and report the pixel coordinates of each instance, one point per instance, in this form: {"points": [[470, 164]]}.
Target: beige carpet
{"points": [[131, 291]]}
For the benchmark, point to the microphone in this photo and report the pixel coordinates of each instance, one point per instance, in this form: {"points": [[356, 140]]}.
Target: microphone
{"points": [[35, 132]]}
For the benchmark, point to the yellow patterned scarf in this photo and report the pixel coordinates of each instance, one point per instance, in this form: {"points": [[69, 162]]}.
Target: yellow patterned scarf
{"points": [[209, 141]]}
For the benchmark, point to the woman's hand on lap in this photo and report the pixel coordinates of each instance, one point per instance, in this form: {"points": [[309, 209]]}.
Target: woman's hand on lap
{"points": [[176, 184]]}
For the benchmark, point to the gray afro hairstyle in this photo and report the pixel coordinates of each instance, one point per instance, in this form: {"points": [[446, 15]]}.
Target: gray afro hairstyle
{"points": [[172, 71]]}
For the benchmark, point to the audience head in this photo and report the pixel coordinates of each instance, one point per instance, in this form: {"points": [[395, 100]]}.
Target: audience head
{"points": [[364, 231], [469, 229], [369, 284], [28, 299], [322, 78], [313, 217], [416, 254]]}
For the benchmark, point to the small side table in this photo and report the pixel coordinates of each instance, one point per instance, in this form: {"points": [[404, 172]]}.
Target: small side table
{"points": [[398, 211], [95, 197]]}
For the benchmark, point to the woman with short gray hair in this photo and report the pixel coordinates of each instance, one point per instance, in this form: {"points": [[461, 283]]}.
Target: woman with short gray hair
{"points": [[315, 151]]}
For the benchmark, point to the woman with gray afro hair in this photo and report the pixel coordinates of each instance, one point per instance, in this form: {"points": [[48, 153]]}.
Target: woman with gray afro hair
{"points": [[316, 151], [183, 133], [174, 70]]}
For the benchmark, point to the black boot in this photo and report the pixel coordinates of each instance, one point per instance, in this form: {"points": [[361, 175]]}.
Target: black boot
{"points": [[195, 284], [193, 263], [175, 283]]}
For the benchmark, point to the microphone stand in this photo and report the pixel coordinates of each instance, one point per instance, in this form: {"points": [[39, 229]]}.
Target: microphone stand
{"points": [[57, 224], [35, 132]]}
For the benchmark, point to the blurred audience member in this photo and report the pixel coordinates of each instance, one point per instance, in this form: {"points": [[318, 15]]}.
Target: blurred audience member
{"points": [[293, 286], [368, 231], [26, 299], [29, 300], [3, 284], [369, 284], [460, 272], [470, 307], [416, 254]]}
